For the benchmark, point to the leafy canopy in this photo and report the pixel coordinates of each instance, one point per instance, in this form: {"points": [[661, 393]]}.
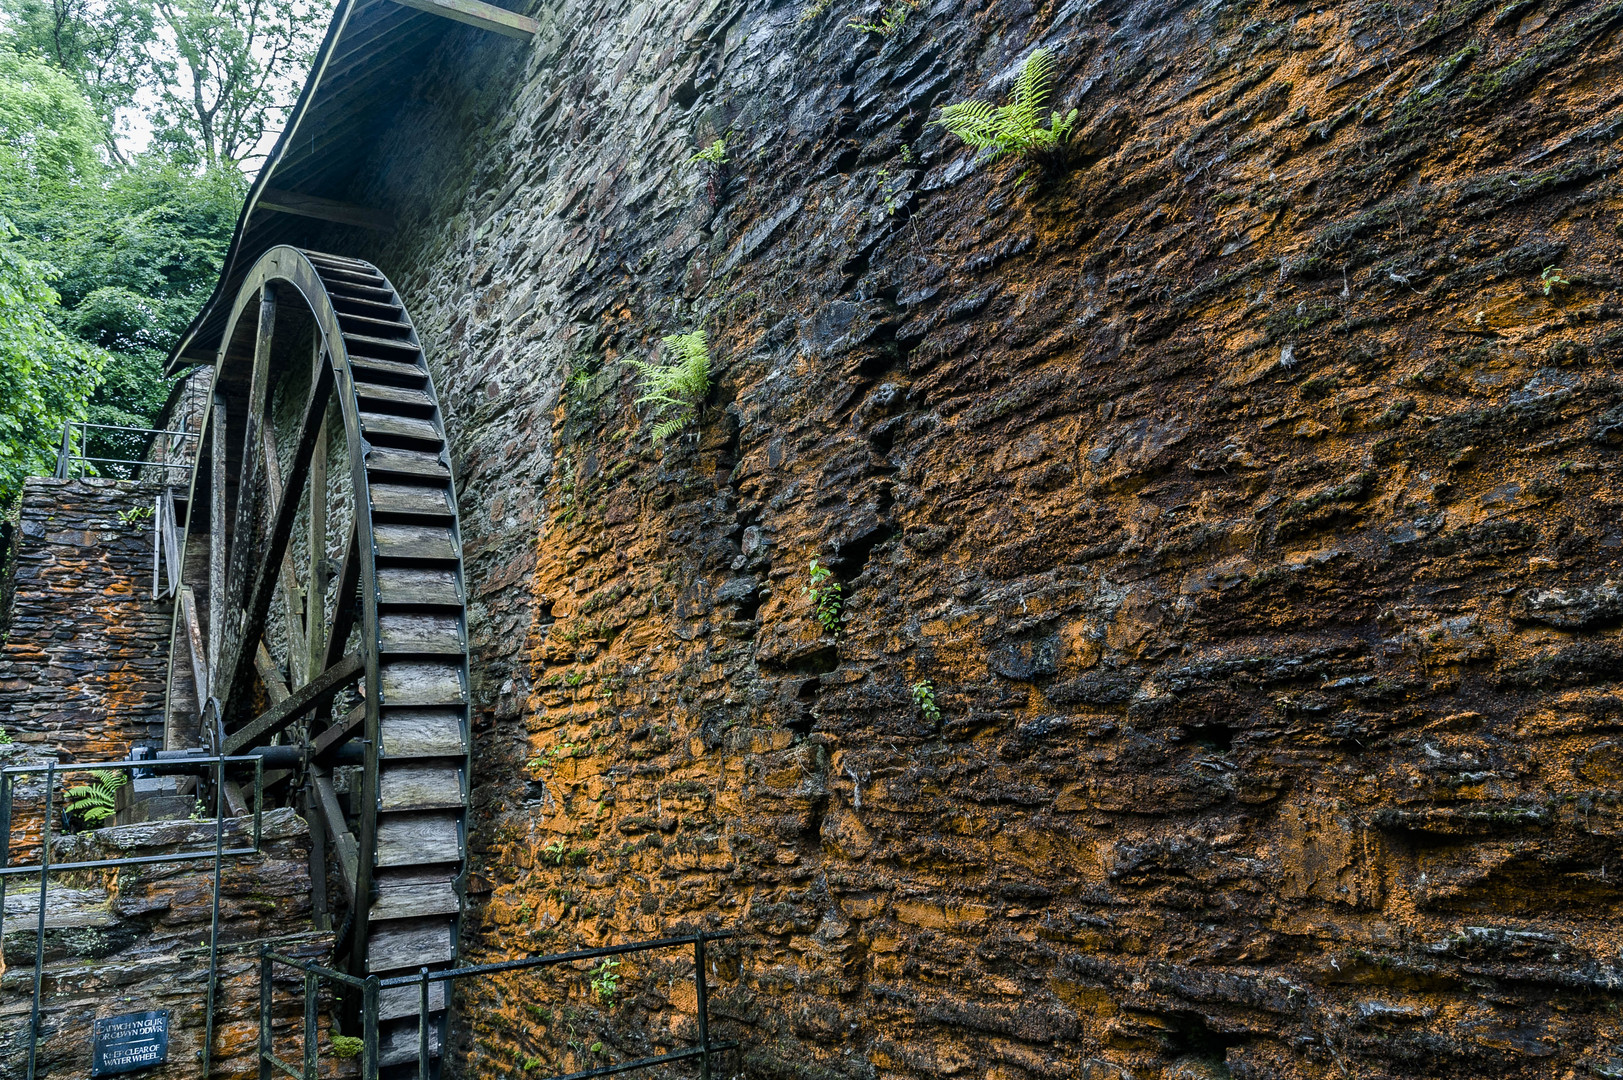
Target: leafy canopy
{"points": [[46, 375], [1015, 128], [676, 386]]}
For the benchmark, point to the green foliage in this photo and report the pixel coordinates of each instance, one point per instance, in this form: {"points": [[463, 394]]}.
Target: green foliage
{"points": [[94, 801], [1552, 276], [1015, 128], [49, 134], [5, 737], [827, 597], [102, 45], [893, 19], [46, 376], [345, 1046], [675, 387], [606, 981], [924, 698], [814, 9], [712, 155], [532, 1062]]}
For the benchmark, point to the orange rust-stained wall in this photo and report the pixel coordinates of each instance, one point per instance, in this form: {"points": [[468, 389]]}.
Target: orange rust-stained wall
{"points": [[82, 667], [1227, 681]]}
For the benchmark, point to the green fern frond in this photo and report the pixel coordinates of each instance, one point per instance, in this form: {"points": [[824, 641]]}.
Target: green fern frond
{"points": [[1014, 128], [674, 388], [97, 800]]}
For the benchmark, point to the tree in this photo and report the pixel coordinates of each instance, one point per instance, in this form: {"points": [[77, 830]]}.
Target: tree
{"points": [[48, 131], [101, 44], [237, 72], [46, 375], [133, 250]]}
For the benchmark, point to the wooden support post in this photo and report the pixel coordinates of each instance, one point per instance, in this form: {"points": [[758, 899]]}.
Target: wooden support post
{"points": [[315, 605], [216, 626]]}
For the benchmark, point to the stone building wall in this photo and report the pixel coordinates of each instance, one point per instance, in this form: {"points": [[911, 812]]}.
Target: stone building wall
{"points": [[1243, 493], [86, 650]]}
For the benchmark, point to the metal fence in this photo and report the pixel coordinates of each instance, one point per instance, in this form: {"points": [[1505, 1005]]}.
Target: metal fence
{"points": [[195, 765], [371, 989], [174, 453]]}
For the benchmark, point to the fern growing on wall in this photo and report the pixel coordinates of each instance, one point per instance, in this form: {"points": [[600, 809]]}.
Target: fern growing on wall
{"points": [[1015, 128], [96, 801], [675, 387]]}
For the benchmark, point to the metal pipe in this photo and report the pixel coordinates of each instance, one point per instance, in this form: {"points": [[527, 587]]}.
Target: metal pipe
{"points": [[422, 1027], [369, 1028], [555, 958], [127, 461], [265, 1012], [214, 920], [704, 1006], [312, 984], [39, 936], [138, 430]]}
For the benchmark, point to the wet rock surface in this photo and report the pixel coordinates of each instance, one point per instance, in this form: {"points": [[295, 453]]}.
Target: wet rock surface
{"points": [[1243, 493]]}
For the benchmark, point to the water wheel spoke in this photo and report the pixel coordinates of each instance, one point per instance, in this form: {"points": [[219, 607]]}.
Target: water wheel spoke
{"points": [[312, 695]]}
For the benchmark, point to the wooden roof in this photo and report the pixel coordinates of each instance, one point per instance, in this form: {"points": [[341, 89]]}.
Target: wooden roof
{"points": [[371, 52]]}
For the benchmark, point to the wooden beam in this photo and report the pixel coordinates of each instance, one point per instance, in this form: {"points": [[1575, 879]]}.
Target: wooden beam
{"points": [[315, 595], [480, 14], [217, 484], [343, 612], [313, 694], [275, 688], [314, 206], [343, 841], [196, 651], [339, 732], [290, 578]]}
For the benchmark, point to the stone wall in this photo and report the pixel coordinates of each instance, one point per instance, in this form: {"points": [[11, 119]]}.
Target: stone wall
{"points": [[1238, 495], [83, 665], [137, 939]]}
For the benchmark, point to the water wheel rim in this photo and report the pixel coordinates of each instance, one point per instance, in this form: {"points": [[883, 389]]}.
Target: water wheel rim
{"points": [[374, 371]]}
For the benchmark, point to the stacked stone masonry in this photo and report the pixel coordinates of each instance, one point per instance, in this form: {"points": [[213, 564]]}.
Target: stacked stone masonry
{"points": [[87, 647], [1244, 497], [136, 939]]}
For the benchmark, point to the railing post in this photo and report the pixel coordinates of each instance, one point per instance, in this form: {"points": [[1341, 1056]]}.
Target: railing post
{"points": [[422, 1026], [703, 992], [264, 1012], [369, 1029], [312, 987], [39, 936], [214, 918], [62, 454]]}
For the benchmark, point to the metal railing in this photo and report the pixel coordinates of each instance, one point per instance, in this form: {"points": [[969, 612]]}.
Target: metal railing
{"points": [[70, 463], [371, 990], [173, 766]]}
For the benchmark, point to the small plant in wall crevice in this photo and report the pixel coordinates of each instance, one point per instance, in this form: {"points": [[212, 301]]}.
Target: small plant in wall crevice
{"points": [[1016, 128], [826, 595], [674, 387]]}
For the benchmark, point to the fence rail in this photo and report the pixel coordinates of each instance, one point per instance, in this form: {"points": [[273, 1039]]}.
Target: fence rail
{"points": [[372, 987], [70, 458]]}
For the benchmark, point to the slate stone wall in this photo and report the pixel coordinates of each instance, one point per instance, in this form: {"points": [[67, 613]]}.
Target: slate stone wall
{"points": [[1240, 495], [87, 648], [136, 939]]}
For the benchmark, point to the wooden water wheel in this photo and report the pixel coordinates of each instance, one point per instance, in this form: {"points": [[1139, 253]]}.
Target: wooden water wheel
{"points": [[320, 615]]}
